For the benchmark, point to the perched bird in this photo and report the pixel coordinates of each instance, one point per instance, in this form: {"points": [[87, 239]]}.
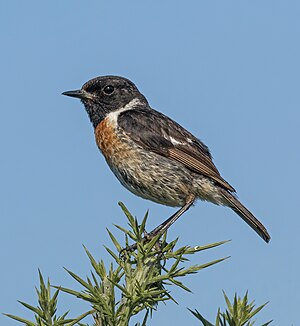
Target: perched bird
{"points": [[152, 155]]}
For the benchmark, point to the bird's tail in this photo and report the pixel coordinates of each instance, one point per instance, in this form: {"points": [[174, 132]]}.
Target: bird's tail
{"points": [[246, 215]]}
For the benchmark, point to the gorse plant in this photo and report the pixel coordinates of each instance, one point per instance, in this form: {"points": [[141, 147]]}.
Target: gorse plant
{"points": [[141, 276], [45, 312], [134, 283], [238, 313]]}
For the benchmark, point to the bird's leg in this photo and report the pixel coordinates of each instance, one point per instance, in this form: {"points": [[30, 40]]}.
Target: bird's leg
{"points": [[163, 227]]}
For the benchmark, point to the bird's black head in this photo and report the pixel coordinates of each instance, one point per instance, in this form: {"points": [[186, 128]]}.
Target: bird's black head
{"points": [[102, 95]]}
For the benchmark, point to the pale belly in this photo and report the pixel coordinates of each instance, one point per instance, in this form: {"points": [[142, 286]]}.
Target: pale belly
{"points": [[150, 175]]}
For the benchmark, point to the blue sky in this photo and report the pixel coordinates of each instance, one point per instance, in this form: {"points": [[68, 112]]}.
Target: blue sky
{"points": [[226, 70]]}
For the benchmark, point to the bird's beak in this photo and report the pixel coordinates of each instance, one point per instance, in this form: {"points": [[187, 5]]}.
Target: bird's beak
{"points": [[77, 93], [80, 93]]}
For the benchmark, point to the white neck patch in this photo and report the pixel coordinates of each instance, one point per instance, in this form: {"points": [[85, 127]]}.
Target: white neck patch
{"points": [[113, 116]]}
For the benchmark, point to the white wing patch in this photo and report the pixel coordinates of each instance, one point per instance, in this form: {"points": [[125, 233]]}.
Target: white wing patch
{"points": [[176, 142]]}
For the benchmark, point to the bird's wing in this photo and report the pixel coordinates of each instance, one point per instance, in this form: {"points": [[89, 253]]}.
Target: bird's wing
{"points": [[156, 132]]}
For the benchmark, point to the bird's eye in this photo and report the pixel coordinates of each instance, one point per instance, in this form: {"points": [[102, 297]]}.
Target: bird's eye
{"points": [[108, 89]]}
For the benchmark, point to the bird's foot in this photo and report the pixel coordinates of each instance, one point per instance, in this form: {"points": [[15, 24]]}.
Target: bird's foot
{"points": [[147, 238]]}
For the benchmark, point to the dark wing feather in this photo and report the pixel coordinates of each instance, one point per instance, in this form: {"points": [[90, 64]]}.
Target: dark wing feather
{"points": [[160, 134]]}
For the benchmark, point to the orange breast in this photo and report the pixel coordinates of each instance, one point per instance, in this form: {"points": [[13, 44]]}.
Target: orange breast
{"points": [[113, 144], [106, 137]]}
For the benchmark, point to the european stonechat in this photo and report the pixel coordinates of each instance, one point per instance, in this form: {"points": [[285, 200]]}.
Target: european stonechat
{"points": [[152, 155]]}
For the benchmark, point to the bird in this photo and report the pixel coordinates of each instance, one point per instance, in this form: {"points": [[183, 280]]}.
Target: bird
{"points": [[153, 156]]}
